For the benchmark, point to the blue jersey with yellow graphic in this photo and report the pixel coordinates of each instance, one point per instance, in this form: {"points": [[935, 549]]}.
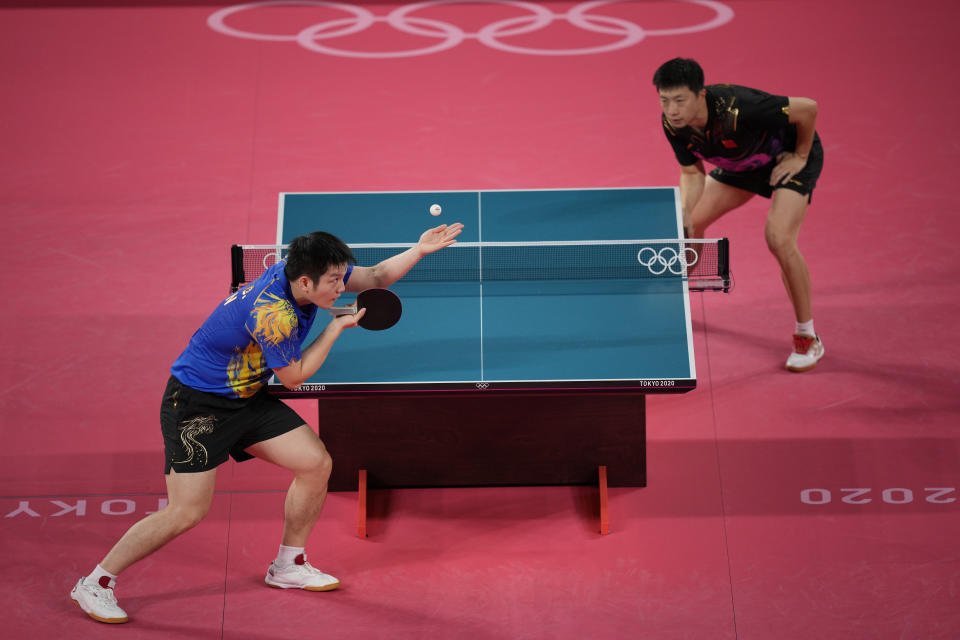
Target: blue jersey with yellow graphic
{"points": [[255, 330]]}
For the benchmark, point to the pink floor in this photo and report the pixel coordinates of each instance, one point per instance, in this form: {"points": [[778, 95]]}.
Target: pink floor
{"points": [[138, 143]]}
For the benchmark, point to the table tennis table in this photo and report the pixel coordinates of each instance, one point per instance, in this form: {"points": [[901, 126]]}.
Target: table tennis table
{"points": [[504, 373]]}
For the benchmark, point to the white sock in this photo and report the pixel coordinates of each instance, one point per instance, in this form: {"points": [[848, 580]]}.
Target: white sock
{"points": [[805, 328], [99, 572], [287, 555]]}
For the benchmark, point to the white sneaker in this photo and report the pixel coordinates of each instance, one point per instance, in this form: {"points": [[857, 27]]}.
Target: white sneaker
{"points": [[300, 575], [98, 600], [807, 351]]}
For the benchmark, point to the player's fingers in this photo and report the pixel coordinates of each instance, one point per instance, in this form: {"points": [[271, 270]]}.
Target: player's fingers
{"points": [[351, 318], [355, 318]]}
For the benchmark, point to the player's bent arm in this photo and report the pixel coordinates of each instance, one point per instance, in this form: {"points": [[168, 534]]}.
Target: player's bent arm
{"points": [[385, 273], [692, 179], [313, 356], [803, 113]]}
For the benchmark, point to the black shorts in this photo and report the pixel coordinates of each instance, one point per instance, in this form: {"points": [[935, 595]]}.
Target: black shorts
{"points": [[201, 430], [758, 181]]}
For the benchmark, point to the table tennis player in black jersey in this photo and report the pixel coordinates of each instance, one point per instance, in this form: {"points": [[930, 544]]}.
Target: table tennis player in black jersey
{"points": [[759, 144]]}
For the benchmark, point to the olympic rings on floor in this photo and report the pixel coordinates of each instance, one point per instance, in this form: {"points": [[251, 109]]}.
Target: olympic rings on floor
{"points": [[315, 37]]}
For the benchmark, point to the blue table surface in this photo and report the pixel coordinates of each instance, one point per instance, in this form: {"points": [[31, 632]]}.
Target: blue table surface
{"points": [[528, 331]]}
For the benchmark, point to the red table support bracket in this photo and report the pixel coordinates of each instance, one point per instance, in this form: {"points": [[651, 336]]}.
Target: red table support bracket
{"points": [[362, 505], [604, 512]]}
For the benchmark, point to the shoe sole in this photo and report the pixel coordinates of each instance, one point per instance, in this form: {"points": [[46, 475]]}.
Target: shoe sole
{"points": [[802, 369], [807, 368], [98, 618], [329, 587]]}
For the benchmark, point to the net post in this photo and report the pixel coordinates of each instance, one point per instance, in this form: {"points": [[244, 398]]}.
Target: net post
{"points": [[237, 276], [723, 263]]}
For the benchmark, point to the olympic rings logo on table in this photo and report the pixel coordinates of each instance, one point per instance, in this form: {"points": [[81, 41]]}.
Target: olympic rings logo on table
{"points": [[314, 36], [657, 262]]}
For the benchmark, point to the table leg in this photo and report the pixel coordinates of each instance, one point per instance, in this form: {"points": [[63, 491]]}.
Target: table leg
{"points": [[362, 505], [604, 512]]}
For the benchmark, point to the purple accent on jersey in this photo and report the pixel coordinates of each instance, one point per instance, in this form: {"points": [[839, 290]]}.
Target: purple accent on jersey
{"points": [[738, 166]]}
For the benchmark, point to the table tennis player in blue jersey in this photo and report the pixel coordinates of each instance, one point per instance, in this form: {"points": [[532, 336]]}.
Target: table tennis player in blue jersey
{"points": [[759, 144], [216, 406]]}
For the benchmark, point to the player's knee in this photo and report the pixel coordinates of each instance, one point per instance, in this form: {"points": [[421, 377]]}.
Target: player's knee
{"points": [[780, 244], [696, 228], [319, 465], [326, 465], [186, 517]]}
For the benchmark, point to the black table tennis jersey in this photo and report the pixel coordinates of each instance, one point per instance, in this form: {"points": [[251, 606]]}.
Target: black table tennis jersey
{"points": [[746, 130]]}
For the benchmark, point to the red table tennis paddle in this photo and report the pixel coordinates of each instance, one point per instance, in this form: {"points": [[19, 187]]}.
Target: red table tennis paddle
{"points": [[383, 309]]}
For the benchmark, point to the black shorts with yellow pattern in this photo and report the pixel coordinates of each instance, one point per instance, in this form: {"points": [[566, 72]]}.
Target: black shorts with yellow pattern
{"points": [[202, 430]]}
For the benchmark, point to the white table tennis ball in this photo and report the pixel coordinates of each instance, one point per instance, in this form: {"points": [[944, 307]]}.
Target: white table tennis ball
{"points": [[435, 210]]}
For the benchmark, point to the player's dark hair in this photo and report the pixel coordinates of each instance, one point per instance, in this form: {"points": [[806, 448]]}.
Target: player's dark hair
{"points": [[679, 72], [313, 254]]}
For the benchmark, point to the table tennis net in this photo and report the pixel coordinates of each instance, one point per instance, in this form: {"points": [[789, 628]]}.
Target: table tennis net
{"points": [[704, 264]]}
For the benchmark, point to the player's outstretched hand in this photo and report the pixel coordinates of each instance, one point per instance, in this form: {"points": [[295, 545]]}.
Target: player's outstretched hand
{"points": [[439, 237]]}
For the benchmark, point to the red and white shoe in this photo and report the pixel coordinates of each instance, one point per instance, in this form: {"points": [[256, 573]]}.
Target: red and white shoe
{"points": [[300, 575], [807, 351], [98, 600]]}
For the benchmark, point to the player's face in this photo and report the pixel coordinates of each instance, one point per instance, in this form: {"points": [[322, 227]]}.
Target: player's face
{"points": [[325, 293], [679, 105]]}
